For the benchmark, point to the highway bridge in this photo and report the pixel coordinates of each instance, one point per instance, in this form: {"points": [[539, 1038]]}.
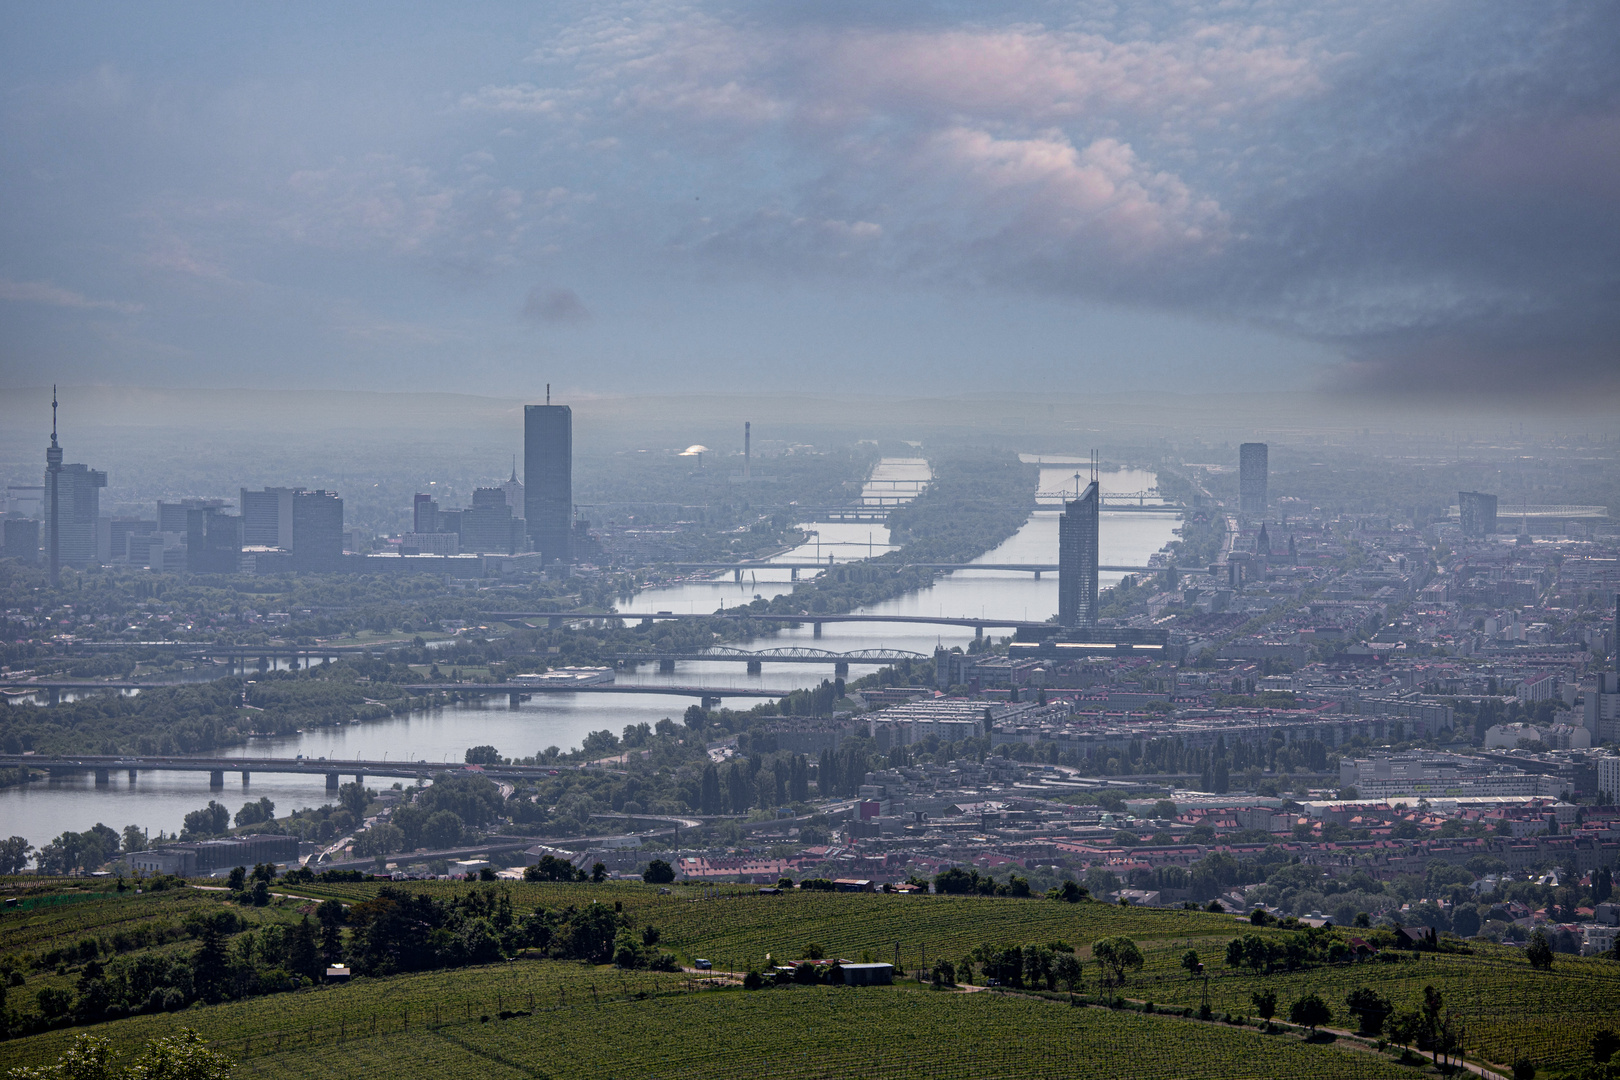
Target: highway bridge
{"points": [[755, 658], [1029, 568], [978, 623], [104, 765], [708, 695]]}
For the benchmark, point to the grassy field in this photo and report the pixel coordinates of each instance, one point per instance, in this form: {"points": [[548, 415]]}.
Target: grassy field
{"points": [[790, 1032], [1509, 1009], [739, 926]]}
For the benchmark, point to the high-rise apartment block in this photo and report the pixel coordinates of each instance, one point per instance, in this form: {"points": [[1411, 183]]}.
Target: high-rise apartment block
{"points": [[1077, 559], [1478, 513], [267, 517], [548, 477], [1253, 465], [317, 530]]}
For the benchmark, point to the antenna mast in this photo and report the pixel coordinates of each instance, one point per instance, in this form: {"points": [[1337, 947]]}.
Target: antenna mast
{"points": [[53, 469]]}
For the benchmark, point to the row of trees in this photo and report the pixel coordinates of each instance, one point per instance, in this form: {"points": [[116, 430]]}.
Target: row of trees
{"points": [[1042, 966], [753, 783]]}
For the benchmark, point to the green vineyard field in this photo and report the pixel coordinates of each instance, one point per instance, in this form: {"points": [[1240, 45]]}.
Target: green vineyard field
{"points": [[826, 1032], [1509, 1009], [336, 1015], [799, 1032]]}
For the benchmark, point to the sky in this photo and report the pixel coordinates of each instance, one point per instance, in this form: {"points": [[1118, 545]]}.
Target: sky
{"points": [[1391, 198]]}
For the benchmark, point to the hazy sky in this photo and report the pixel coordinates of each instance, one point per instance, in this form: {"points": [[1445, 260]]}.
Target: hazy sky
{"points": [[818, 195]]}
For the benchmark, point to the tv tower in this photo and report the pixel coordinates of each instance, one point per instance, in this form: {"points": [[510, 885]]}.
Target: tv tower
{"points": [[53, 469]]}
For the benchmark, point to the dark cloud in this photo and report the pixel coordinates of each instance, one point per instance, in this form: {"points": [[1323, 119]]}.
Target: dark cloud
{"points": [[555, 306], [1426, 192]]}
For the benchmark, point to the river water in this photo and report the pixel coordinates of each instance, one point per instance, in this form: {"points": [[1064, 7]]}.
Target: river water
{"points": [[161, 800]]}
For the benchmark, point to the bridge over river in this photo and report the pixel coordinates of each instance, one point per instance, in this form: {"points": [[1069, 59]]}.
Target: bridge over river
{"points": [[104, 765], [708, 695]]}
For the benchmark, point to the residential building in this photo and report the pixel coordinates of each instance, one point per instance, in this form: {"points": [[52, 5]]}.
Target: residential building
{"points": [[1608, 778], [1477, 512], [1253, 466], [1603, 707], [1077, 559]]}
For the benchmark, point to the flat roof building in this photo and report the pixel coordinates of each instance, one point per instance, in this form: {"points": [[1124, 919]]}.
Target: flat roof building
{"points": [[317, 530], [548, 477], [1477, 511], [267, 517], [1253, 469]]}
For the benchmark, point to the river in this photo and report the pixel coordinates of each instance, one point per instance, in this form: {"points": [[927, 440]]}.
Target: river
{"points": [[161, 800]]}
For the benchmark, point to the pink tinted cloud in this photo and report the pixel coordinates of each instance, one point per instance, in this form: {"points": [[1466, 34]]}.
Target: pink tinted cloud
{"points": [[1101, 193]]}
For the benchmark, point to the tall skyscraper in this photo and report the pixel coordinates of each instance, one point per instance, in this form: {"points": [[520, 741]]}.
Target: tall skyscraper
{"points": [[1478, 513], [317, 531], [72, 507], [1252, 469], [267, 517], [548, 477], [1077, 558]]}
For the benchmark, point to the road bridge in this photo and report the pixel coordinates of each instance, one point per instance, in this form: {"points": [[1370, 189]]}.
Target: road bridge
{"points": [[756, 658], [647, 618], [104, 765], [709, 695], [795, 566]]}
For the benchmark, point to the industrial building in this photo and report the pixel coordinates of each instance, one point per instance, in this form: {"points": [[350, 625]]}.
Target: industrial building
{"points": [[202, 857]]}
